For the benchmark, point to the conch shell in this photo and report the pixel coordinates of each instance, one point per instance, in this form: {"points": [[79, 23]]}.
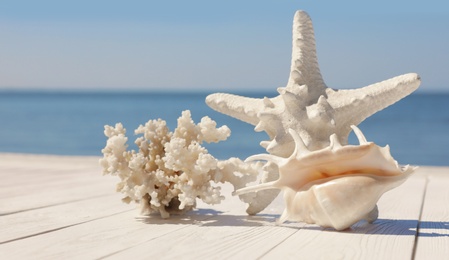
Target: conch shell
{"points": [[336, 186]]}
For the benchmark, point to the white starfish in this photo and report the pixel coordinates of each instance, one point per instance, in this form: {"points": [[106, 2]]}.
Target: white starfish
{"points": [[307, 105]]}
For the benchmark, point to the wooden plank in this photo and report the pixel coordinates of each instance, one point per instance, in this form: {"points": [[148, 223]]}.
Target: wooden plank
{"points": [[229, 235], [98, 238], [19, 171], [222, 237], [61, 194], [30, 177], [52, 167], [118, 233], [392, 236], [433, 237], [45, 181], [84, 230], [44, 220], [18, 184], [36, 161]]}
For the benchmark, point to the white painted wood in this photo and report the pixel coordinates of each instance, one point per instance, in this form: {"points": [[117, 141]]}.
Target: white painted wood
{"points": [[36, 161], [222, 237], [37, 173], [20, 173], [18, 184], [68, 210], [433, 238], [29, 177], [34, 222], [392, 236], [73, 180], [63, 194], [97, 238], [117, 233]]}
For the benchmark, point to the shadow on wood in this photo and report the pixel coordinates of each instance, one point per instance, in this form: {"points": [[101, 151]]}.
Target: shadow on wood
{"points": [[397, 227]]}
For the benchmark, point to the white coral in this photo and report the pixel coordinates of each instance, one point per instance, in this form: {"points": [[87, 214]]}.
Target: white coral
{"points": [[171, 170]]}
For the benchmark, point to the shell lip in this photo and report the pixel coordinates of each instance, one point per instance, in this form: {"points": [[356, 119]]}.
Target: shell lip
{"points": [[310, 184]]}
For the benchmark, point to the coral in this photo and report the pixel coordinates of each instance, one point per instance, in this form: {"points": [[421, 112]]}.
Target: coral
{"points": [[171, 170], [325, 180]]}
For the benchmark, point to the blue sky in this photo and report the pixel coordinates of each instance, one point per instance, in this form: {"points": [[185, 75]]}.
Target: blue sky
{"points": [[216, 45]]}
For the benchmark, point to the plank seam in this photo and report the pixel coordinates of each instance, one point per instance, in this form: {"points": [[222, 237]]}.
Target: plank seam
{"points": [[60, 228], [418, 227], [276, 245], [52, 205], [125, 249]]}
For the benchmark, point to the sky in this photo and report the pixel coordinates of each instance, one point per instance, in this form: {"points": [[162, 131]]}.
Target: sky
{"points": [[216, 45]]}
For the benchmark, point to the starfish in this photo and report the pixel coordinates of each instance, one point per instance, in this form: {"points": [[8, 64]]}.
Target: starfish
{"points": [[307, 105]]}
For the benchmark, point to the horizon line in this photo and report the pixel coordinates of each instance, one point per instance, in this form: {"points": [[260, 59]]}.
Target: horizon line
{"points": [[102, 90]]}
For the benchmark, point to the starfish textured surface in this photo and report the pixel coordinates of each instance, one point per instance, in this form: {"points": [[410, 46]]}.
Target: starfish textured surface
{"points": [[307, 105]]}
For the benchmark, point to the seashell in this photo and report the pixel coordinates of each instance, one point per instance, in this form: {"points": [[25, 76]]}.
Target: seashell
{"points": [[336, 186]]}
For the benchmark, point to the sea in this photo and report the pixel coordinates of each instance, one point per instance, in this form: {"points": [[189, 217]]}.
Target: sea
{"points": [[72, 123]]}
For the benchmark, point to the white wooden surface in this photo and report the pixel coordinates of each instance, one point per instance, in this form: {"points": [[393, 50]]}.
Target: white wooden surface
{"points": [[54, 207]]}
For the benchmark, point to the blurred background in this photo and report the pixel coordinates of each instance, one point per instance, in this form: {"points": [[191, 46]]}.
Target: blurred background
{"points": [[67, 68]]}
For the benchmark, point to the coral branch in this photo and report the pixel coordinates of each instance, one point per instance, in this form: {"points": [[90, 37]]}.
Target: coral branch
{"points": [[171, 170]]}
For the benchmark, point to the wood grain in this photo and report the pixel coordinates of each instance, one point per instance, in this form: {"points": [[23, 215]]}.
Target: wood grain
{"points": [[63, 208], [44, 220], [433, 237], [392, 236]]}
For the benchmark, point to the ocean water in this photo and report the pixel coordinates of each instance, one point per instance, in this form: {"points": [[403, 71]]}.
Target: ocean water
{"points": [[72, 123]]}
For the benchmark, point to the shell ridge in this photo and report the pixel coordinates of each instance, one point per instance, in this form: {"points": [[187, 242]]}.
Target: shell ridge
{"points": [[360, 136], [300, 146], [263, 157], [255, 188]]}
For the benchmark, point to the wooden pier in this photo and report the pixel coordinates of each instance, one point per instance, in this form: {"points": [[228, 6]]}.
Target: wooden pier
{"points": [[57, 207]]}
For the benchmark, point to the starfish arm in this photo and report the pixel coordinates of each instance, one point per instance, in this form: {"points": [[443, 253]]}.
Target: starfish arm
{"points": [[242, 108], [304, 66], [353, 106]]}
